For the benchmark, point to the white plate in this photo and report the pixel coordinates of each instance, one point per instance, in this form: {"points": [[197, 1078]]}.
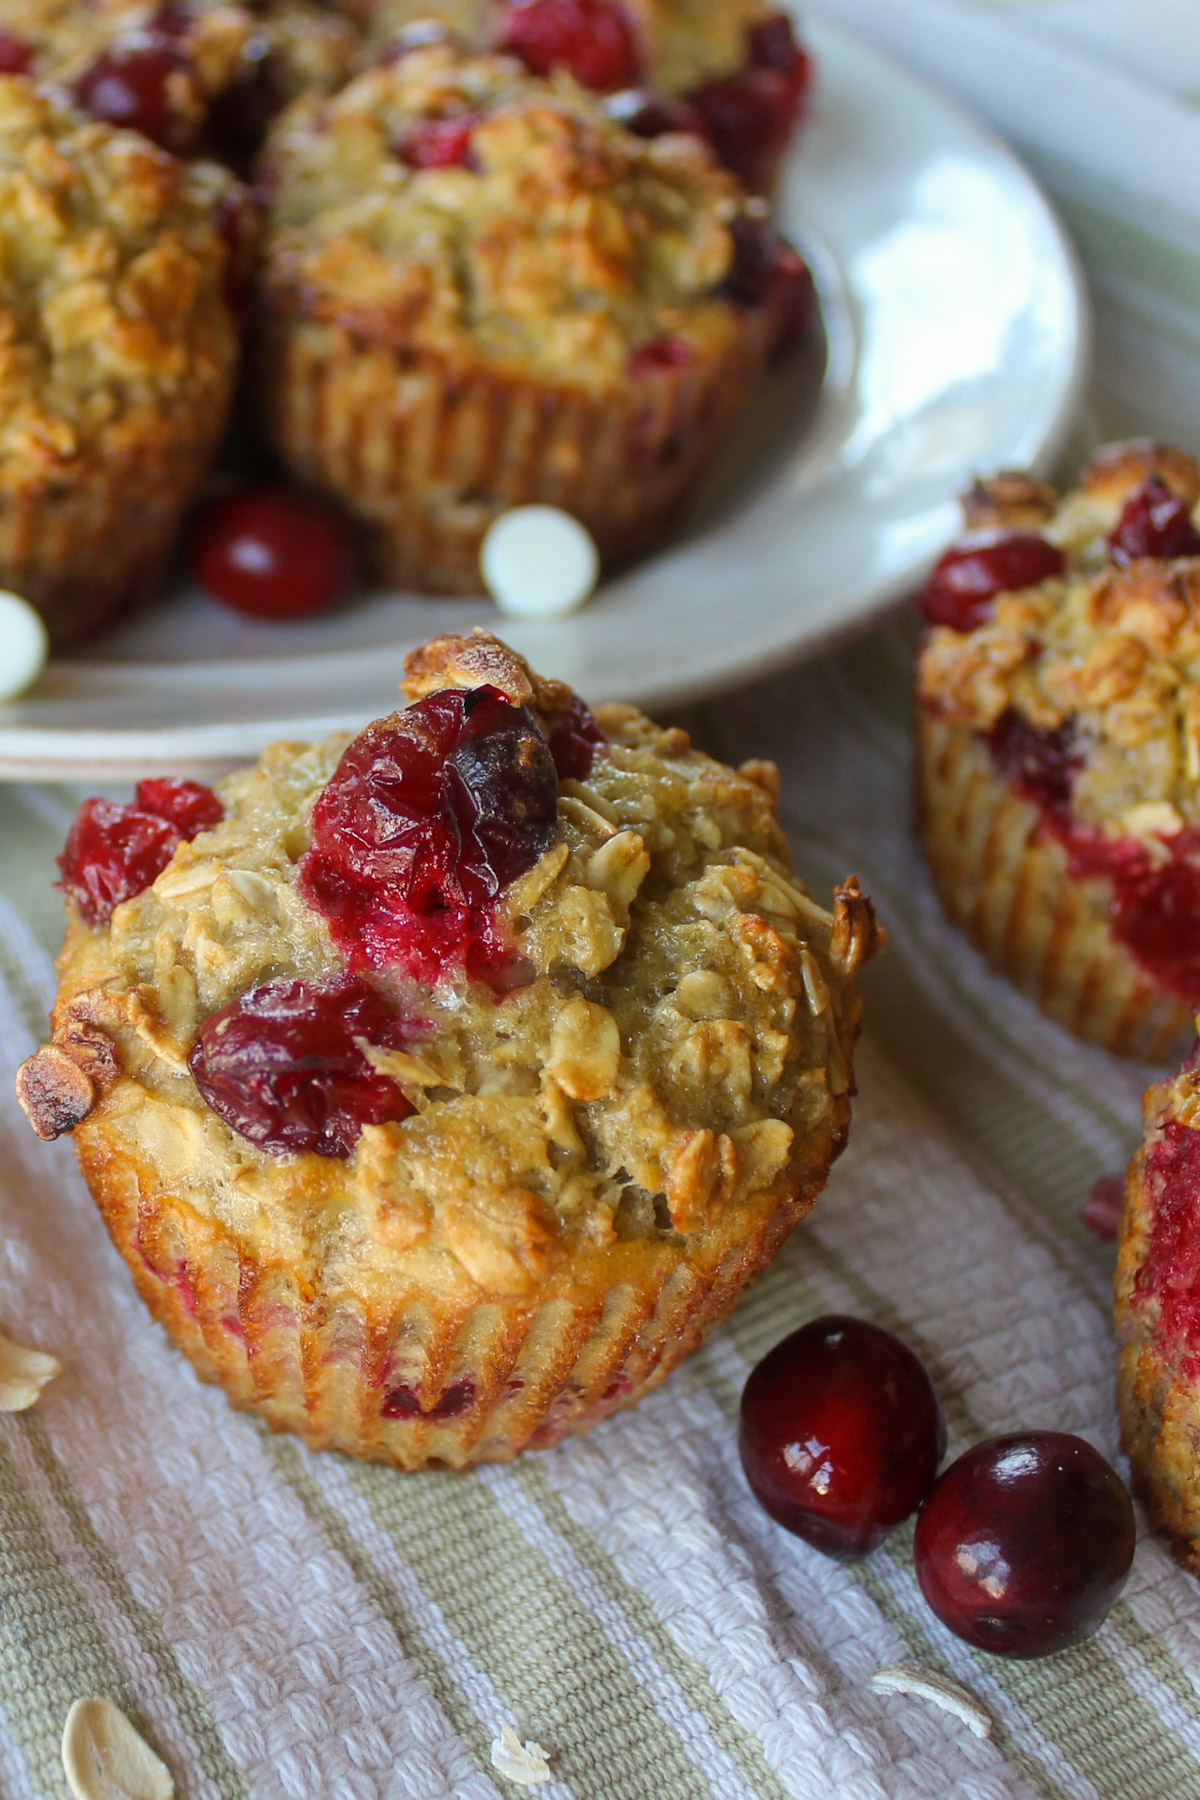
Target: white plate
{"points": [[956, 329]]}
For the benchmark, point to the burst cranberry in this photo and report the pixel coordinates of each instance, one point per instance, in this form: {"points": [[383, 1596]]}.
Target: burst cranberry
{"points": [[1154, 522], [767, 272], [114, 852], [272, 554], [283, 1066], [239, 115], [145, 83], [749, 117], [429, 816], [1041, 765], [1025, 1543], [841, 1434], [186, 805], [16, 56], [1170, 1272], [651, 115], [439, 143], [593, 39], [403, 1401], [575, 738], [660, 353], [960, 591]]}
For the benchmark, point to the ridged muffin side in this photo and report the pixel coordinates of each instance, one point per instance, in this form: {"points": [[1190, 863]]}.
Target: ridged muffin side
{"points": [[594, 1165], [118, 351]]}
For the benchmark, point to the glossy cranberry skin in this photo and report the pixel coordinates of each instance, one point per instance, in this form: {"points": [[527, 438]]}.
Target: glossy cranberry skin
{"points": [[1025, 1543], [282, 1067], [139, 82], [272, 553], [651, 115], [841, 1434], [960, 591], [593, 39], [439, 143], [113, 852], [16, 56], [1154, 522], [429, 817]]}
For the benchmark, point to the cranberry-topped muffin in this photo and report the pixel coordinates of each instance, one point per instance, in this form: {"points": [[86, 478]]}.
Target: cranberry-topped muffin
{"points": [[118, 350], [731, 70], [1158, 1311], [1059, 742], [444, 1085], [480, 290], [195, 76]]}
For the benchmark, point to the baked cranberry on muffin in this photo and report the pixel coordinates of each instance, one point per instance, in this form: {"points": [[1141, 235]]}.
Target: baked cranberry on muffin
{"points": [[119, 349], [480, 290], [1158, 1311], [443, 1086], [731, 70], [1059, 742], [195, 76]]}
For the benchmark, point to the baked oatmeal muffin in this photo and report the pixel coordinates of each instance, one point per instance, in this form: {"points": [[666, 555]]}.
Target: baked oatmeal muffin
{"points": [[1158, 1311], [729, 69], [195, 76], [1059, 742], [480, 291], [118, 348], [444, 1086]]}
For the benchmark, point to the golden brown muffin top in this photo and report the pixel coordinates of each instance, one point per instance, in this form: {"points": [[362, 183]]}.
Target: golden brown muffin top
{"points": [[683, 43], [563, 247], [1110, 649], [112, 284], [680, 1045]]}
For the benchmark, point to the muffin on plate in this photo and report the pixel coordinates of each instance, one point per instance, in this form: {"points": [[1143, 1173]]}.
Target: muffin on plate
{"points": [[729, 69], [195, 76], [443, 1086], [1059, 742], [479, 290], [118, 350], [1158, 1311]]}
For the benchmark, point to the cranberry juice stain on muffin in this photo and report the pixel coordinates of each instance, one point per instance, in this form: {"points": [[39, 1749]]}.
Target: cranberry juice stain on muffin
{"points": [[194, 76], [1158, 1311], [1059, 742], [481, 291], [443, 1086], [120, 347]]}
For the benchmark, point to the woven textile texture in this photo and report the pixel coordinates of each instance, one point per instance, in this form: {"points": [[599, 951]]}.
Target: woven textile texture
{"points": [[289, 1627]]}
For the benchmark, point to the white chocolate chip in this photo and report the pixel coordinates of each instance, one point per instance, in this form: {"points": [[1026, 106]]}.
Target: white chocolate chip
{"points": [[23, 1374], [538, 562], [105, 1759], [524, 1764], [24, 645], [907, 1678]]}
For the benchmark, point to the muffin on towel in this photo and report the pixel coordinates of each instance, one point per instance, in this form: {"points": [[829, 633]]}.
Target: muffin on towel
{"points": [[1059, 742], [442, 1087]]}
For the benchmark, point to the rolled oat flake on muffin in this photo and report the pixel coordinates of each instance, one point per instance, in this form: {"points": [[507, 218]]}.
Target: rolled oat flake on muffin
{"points": [[1059, 741], [444, 1085]]}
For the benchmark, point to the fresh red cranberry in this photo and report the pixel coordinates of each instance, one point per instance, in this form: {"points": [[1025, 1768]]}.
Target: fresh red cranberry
{"points": [[114, 852], [660, 353], [593, 39], [960, 591], [1025, 1543], [1041, 765], [651, 115], [841, 1434], [439, 143], [16, 56], [767, 272], [145, 83], [429, 817], [283, 1066], [273, 554], [403, 1401], [1154, 522], [187, 805], [575, 738]]}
